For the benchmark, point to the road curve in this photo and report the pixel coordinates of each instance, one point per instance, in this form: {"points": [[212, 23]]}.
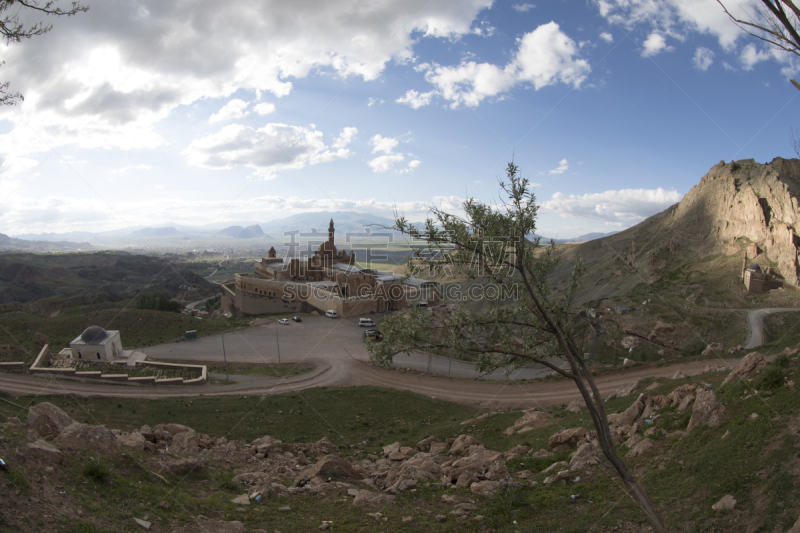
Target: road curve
{"points": [[510, 393], [755, 324]]}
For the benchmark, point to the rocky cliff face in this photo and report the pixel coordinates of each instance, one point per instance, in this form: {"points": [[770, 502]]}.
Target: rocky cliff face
{"points": [[744, 199]]}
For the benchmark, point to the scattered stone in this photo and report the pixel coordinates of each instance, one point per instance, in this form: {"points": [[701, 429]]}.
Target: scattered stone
{"points": [[244, 499], [727, 503], [407, 519], [795, 528], [630, 415], [486, 488], [46, 450], [367, 498], [575, 406], [48, 419], [586, 455], [627, 389], [163, 504], [331, 466], [84, 436], [568, 437], [144, 524], [628, 362], [220, 526], [528, 422], [726, 434], [284, 509], [440, 518], [653, 386], [641, 448], [425, 444], [750, 363], [711, 348], [555, 467], [678, 375], [707, 411], [352, 492], [462, 443], [753, 416], [134, 440]]}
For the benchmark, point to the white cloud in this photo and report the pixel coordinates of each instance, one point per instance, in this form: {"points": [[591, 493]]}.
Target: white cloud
{"points": [[267, 150], [372, 101], [676, 18], [264, 108], [607, 37], [563, 166], [415, 100], [751, 56], [234, 109], [390, 159], [545, 56], [627, 206], [385, 162], [345, 136], [703, 58], [654, 44], [92, 70], [523, 8], [383, 144]]}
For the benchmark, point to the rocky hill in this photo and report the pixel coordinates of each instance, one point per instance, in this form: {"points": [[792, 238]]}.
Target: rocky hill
{"points": [[736, 205]]}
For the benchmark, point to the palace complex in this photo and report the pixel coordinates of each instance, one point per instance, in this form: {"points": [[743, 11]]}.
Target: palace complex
{"points": [[328, 280]]}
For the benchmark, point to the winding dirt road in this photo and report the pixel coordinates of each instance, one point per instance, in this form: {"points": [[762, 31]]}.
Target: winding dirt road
{"points": [[339, 358]]}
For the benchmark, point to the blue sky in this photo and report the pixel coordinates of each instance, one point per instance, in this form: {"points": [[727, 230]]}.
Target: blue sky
{"points": [[211, 112]]}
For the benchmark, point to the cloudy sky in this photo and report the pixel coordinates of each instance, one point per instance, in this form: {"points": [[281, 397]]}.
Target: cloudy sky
{"points": [[142, 112]]}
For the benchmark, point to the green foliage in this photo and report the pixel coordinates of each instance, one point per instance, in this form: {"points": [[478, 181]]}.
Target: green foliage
{"points": [[97, 470], [770, 379], [695, 347], [158, 301]]}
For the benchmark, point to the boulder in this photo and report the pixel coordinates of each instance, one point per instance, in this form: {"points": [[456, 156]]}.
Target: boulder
{"points": [[575, 406], [330, 466], [641, 448], [391, 448], [629, 342], [630, 415], [568, 437], [712, 348], [727, 503], [45, 450], [425, 444], [676, 396], [185, 442], [48, 420], [147, 433], [627, 389], [586, 455], [322, 446], [84, 436], [134, 440], [628, 362], [462, 443], [438, 447], [750, 363], [368, 498], [555, 467], [486, 488], [686, 403], [266, 443], [707, 411], [527, 422]]}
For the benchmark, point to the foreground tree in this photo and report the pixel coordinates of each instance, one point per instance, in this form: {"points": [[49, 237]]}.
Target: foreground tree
{"points": [[532, 323], [776, 22], [14, 31]]}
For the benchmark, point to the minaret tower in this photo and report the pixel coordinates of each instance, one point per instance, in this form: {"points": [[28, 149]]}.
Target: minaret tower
{"points": [[331, 232]]}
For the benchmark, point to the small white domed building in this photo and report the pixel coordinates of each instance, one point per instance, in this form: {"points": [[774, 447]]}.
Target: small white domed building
{"points": [[96, 344]]}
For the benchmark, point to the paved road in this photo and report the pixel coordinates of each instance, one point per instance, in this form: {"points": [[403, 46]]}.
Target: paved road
{"points": [[339, 358], [755, 324]]}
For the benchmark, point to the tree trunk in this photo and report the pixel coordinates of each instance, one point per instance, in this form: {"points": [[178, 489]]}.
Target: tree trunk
{"points": [[609, 450]]}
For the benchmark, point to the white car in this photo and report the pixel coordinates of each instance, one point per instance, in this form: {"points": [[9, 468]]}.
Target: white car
{"points": [[284, 321]]}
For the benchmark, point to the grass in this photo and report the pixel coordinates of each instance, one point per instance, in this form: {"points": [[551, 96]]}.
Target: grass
{"points": [[684, 475], [252, 369], [156, 327]]}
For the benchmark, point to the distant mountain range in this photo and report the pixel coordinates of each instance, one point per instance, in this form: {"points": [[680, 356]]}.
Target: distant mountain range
{"points": [[350, 227], [10, 243]]}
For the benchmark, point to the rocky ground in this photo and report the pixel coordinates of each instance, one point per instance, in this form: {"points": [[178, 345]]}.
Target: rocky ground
{"points": [[67, 476]]}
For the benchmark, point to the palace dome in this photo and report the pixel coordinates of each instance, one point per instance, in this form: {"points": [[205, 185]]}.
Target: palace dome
{"points": [[94, 335]]}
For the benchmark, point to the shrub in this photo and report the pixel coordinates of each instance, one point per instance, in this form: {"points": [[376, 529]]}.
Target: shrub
{"points": [[771, 378], [97, 471], [695, 347]]}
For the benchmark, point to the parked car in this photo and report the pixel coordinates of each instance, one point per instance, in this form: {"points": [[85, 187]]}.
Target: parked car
{"points": [[366, 323], [331, 314], [373, 335], [284, 321], [297, 319]]}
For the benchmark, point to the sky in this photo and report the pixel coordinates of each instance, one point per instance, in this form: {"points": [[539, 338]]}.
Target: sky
{"points": [[209, 112]]}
